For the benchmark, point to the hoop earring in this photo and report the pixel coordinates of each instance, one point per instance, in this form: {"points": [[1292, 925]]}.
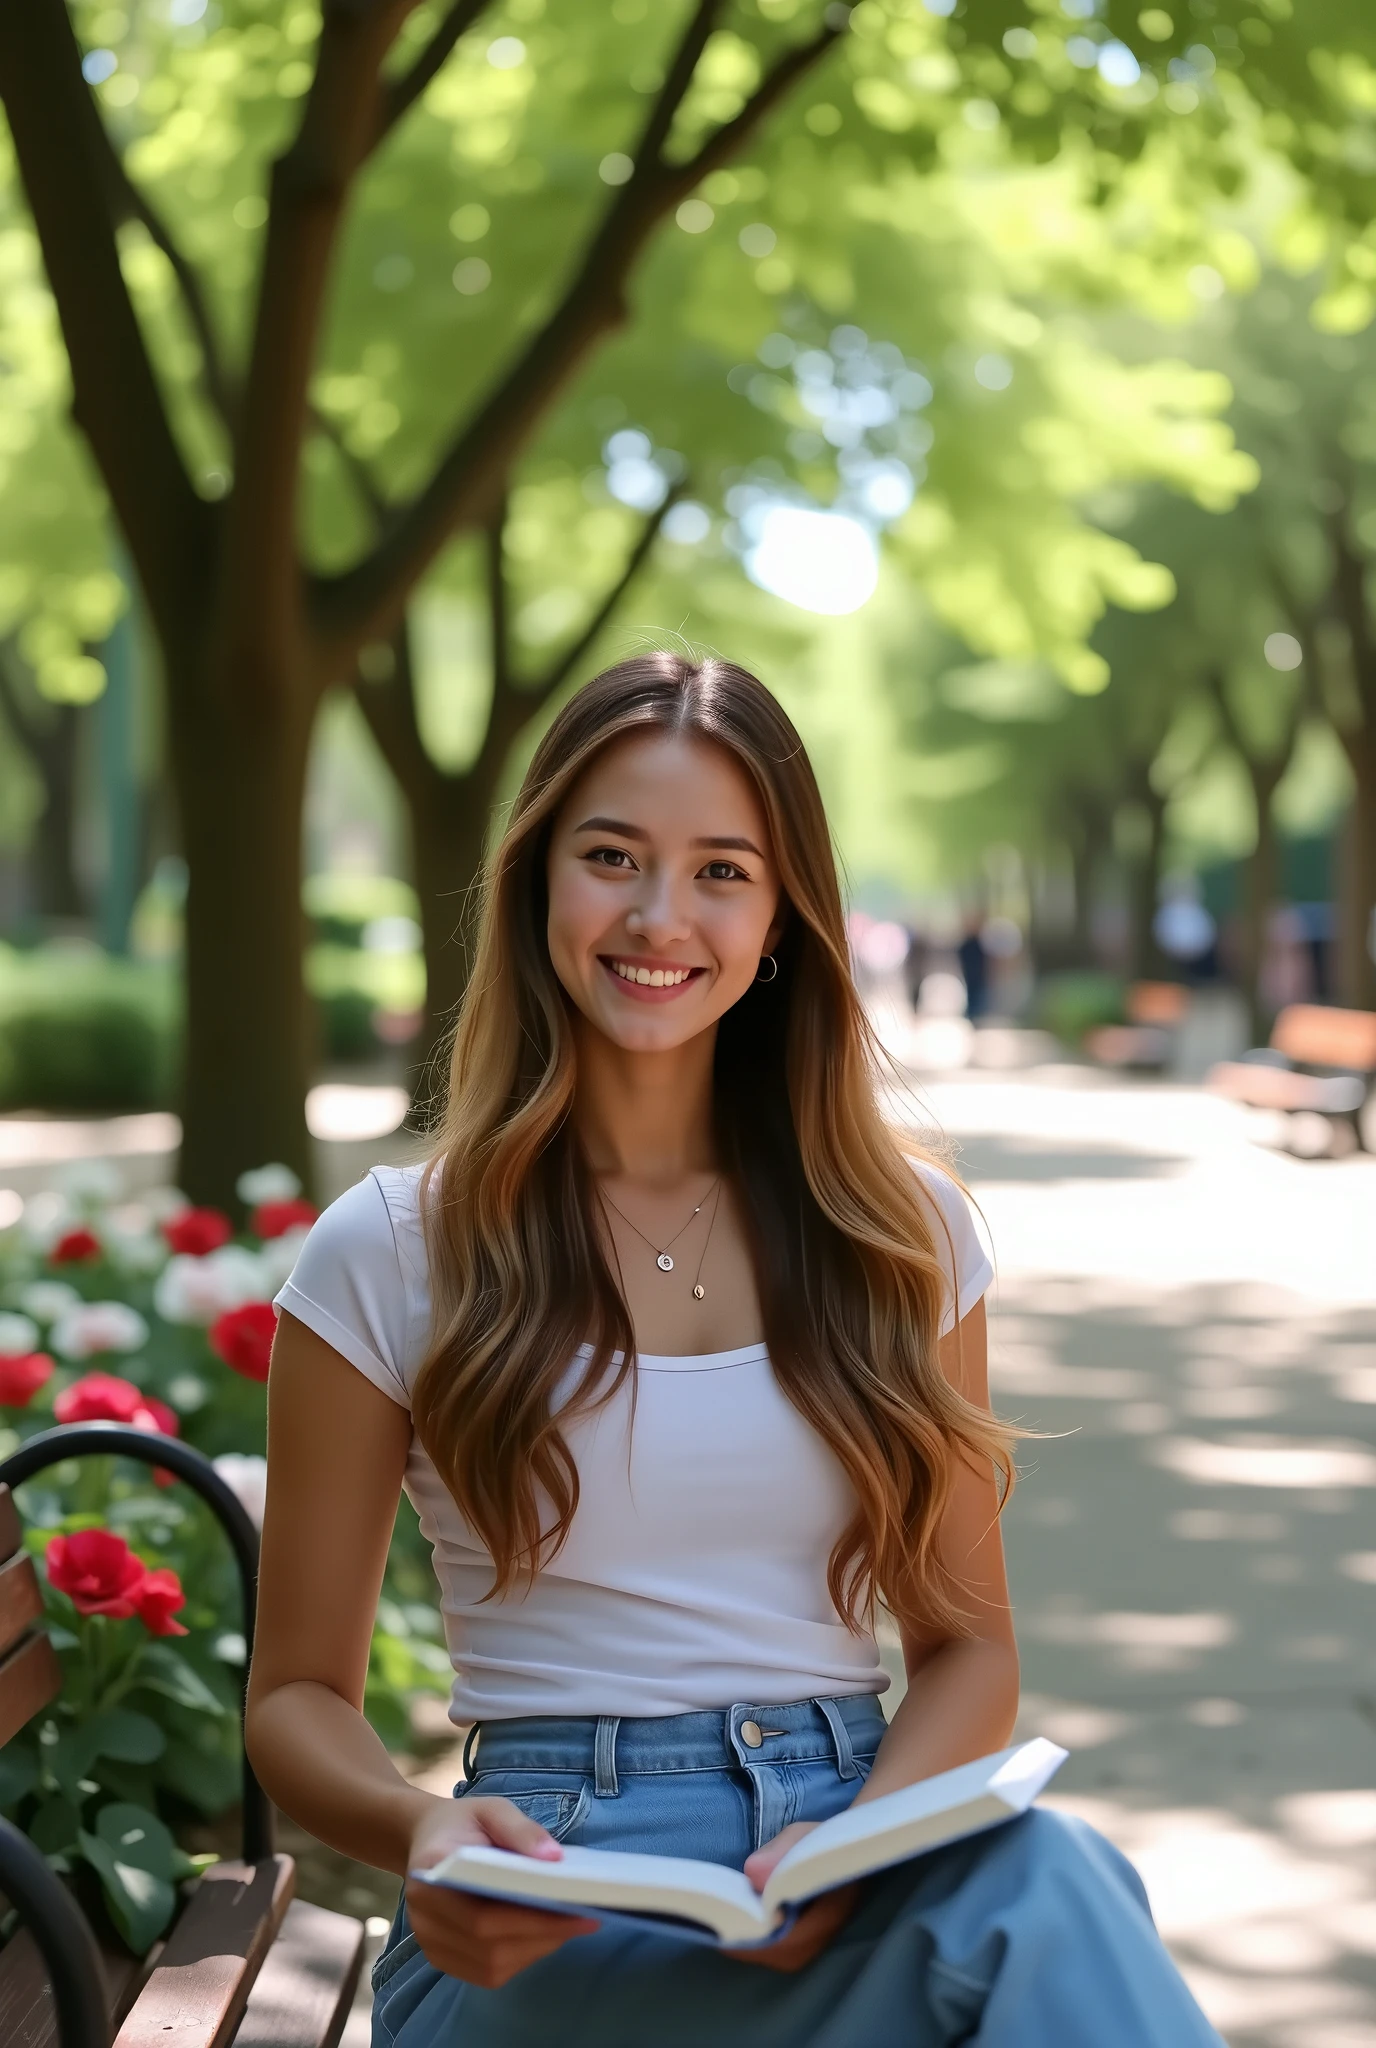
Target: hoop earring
{"points": [[768, 960]]}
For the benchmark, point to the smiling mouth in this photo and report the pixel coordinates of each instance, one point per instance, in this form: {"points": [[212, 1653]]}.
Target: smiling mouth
{"points": [[635, 974]]}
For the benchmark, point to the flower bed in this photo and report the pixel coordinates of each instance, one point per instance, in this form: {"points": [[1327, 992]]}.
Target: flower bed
{"points": [[156, 1314]]}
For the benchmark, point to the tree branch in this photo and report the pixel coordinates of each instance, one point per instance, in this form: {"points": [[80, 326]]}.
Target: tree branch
{"points": [[555, 676], [364, 600], [308, 189], [498, 607], [61, 151], [400, 94], [128, 202], [773, 87], [390, 711]]}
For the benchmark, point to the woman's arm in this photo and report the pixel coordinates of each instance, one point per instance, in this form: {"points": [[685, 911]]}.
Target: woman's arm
{"points": [[962, 1696], [336, 1453], [962, 1693]]}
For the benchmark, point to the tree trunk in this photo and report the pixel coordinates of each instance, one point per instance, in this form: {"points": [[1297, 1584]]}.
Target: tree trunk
{"points": [[448, 838], [1259, 895], [240, 757], [57, 891], [1145, 959], [1356, 968]]}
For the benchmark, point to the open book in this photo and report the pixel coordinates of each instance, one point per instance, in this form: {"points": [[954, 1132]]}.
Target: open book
{"points": [[714, 1903]]}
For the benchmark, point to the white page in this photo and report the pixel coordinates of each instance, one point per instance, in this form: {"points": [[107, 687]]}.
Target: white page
{"points": [[900, 1824], [617, 1879]]}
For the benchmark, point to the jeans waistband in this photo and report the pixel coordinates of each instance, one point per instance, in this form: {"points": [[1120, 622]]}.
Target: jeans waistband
{"points": [[743, 1736]]}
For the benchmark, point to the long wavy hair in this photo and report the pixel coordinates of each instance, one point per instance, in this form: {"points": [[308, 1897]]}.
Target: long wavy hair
{"points": [[849, 1278]]}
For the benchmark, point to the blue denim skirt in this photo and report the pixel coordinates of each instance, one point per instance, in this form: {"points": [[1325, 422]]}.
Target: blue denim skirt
{"points": [[1034, 1935]]}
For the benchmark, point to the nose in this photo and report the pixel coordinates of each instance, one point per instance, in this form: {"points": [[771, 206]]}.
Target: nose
{"points": [[659, 914]]}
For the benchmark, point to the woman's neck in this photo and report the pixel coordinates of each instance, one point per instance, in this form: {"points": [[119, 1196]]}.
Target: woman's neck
{"points": [[646, 1115]]}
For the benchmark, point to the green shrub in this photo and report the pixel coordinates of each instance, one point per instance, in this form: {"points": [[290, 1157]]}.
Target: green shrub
{"points": [[1071, 1004], [341, 906], [83, 1032]]}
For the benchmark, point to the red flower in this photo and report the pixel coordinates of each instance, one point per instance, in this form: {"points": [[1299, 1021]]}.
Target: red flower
{"points": [[242, 1337], [104, 1397], [75, 1248], [275, 1219], [157, 1597], [21, 1377], [197, 1231], [97, 1571]]}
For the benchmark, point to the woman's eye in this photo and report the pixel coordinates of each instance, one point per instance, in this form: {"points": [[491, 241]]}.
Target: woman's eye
{"points": [[610, 857], [724, 871]]}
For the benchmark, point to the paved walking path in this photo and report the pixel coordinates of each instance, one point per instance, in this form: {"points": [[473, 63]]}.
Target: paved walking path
{"points": [[1192, 1323], [1193, 1545]]}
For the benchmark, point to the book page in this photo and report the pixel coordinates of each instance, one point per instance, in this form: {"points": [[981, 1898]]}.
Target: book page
{"points": [[721, 1899], [923, 1816]]}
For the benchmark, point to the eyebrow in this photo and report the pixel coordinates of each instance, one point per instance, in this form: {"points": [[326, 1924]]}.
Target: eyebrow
{"points": [[625, 831]]}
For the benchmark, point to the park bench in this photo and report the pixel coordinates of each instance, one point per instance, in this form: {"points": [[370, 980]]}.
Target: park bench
{"points": [[1154, 1011], [1320, 1063], [245, 1964]]}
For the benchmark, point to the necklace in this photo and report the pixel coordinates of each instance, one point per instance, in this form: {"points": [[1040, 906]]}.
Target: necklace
{"points": [[662, 1252]]}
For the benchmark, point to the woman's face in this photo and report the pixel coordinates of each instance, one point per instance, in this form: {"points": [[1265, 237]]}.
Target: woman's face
{"points": [[663, 892]]}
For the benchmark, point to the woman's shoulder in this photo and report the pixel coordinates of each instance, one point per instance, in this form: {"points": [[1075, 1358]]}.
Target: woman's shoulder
{"points": [[965, 1261], [361, 1280]]}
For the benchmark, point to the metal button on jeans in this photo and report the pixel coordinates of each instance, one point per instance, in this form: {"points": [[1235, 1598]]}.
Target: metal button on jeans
{"points": [[750, 1733]]}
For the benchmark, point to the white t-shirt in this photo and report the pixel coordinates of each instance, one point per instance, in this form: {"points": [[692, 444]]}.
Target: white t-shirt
{"points": [[695, 1572]]}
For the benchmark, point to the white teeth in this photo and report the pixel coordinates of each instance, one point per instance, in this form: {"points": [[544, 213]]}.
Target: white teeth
{"points": [[646, 977]]}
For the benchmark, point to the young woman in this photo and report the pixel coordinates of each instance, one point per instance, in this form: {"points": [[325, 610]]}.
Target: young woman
{"points": [[679, 1352]]}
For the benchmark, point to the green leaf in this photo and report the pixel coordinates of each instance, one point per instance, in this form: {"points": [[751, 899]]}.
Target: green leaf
{"points": [[56, 1826], [128, 1737], [141, 1903], [163, 1671], [207, 1779], [70, 1758], [18, 1774], [137, 1836]]}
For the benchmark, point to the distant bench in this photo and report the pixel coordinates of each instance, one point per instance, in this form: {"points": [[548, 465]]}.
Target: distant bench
{"points": [[1320, 1062], [1154, 1011]]}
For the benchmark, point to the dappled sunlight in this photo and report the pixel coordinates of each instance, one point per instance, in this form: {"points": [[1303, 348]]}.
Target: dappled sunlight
{"points": [[1188, 1325]]}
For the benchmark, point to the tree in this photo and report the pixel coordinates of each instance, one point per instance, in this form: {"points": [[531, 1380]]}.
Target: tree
{"points": [[250, 633], [223, 341]]}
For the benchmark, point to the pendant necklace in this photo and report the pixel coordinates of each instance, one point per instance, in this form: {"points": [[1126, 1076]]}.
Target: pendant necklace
{"points": [[663, 1258]]}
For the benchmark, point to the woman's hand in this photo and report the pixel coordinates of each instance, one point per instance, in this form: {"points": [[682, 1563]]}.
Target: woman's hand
{"points": [[816, 1923], [484, 1941]]}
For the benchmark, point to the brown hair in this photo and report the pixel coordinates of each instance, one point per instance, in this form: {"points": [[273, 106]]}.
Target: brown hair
{"points": [[850, 1283]]}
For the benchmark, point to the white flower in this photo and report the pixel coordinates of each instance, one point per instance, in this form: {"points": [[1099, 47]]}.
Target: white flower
{"points": [[47, 1216], [98, 1326], [18, 1336], [163, 1204], [90, 1183], [133, 1239], [46, 1300], [277, 1256], [266, 1184], [192, 1290], [246, 1476]]}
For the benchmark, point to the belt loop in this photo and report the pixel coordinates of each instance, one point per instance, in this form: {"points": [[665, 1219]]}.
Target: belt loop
{"points": [[840, 1735], [605, 1784], [470, 1750]]}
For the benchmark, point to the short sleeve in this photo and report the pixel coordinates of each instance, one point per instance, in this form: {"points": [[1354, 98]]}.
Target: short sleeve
{"points": [[349, 1285], [965, 1262]]}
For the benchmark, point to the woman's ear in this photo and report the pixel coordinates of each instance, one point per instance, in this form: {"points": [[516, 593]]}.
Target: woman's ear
{"points": [[779, 923]]}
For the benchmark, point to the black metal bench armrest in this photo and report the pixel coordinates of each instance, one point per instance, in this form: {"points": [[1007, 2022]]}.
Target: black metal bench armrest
{"points": [[104, 1439], [64, 1940]]}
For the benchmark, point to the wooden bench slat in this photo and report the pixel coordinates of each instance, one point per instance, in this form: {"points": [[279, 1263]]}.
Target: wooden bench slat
{"points": [[27, 2017], [196, 1996], [11, 1534], [21, 1599], [1319, 1036], [305, 1988], [30, 1678]]}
